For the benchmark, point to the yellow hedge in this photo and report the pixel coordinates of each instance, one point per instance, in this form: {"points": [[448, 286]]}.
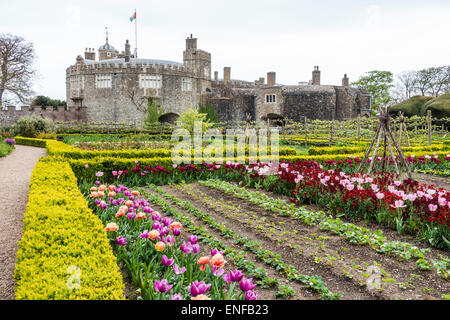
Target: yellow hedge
{"points": [[60, 235]]}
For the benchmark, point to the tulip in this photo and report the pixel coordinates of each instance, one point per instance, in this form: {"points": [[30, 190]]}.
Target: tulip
{"points": [[162, 286], [195, 248], [218, 272], [186, 247], [216, 251], [176, 232], [217, 261], [177, 296], [251, 295], [175, 225], [121, 240], [111, 227], [398, 204], [178, 270], [432, 207], [154, 234], [233, 276], [198, 288], [160, 246], [193, 239], [144, 235], [246, 284], [201, 297], [202, 262], [166, 261]]}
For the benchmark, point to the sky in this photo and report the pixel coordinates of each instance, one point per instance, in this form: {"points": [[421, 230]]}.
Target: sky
{"points": [[252, 37]]}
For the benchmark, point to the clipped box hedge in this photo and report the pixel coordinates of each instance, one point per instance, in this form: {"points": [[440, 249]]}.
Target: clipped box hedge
{"points": [[357, 149], [60, 232]]}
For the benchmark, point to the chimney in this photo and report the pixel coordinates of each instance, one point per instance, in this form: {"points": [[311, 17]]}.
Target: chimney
{"points": [[261, 81], [89, 54], [316, 76], [191, 43], [127, 51], [216, 76], [226, 75], [271, 78], [345, 81]]}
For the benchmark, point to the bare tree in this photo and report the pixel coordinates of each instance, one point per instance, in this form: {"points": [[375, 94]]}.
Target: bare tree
{"points": [[408, 81], [441, 80], [16, 63], [141, 102]]}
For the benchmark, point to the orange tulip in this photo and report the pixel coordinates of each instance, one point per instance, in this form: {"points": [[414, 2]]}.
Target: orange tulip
{"points": [[135, 193], [175, 225], [129, 203], [124, 208], [100, 194], [111, 194], [153, 234], [102, 188], [111, 227], [218, 261], [94, 194], [120, 213], [201, 297], [160, 246], [202, 262], [111, 187], [140, 215], [94, 189]]}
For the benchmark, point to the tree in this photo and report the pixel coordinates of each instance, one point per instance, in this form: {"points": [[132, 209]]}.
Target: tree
{"points": [[189, 117], [211, 114], [377, 83], [16, 64], [407, 81], [153, 113], [44, 101]]}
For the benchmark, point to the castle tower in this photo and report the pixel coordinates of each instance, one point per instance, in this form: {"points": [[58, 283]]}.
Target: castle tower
{"points": [[89, 54], [196, 59], [345, 81], [216, 76], [316, 76], [127, 51], [226, 75], [107, 51], [271, 78]]}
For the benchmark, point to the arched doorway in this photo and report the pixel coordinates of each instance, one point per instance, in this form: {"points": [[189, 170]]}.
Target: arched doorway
{"points": [[168, 118]]}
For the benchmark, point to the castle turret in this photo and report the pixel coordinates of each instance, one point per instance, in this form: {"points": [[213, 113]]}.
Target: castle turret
{"points": [[316, 76], [345, 81], [216, 76], [196, 59], [107, 51], [127, 51]]}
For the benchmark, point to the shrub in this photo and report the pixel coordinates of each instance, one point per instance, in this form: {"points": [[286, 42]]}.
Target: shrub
{"points": [[440, 106], [47, 136], [60, 235], [32, 126], [410, 107]]}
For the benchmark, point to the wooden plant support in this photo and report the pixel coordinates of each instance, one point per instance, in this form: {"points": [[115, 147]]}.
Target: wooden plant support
{"points": [[384, 132], [402, 128]]}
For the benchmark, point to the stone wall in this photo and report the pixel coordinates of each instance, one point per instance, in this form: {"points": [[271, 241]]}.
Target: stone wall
{"points": [[10, 115]]}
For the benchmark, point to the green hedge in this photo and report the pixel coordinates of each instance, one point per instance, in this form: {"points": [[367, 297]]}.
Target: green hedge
{"points": [[357, 149], [60, 231]]}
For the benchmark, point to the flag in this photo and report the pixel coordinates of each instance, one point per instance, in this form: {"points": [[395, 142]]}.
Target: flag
{"points": [[133, 17]]}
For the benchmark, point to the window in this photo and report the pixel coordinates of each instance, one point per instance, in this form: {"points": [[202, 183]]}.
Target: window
{"points": [[77, 82], [109, 54], [186, 84], [271, 98], [150, 81], [103, 81]]}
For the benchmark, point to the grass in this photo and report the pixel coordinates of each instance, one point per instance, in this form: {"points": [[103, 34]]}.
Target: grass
{"points": [[5, 149]]}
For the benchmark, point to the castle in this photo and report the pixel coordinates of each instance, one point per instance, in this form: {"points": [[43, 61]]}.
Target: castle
{"points": [[116, 88]]}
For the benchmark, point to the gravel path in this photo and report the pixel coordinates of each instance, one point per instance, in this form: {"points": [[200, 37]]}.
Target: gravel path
{"points": [[15, 174]]}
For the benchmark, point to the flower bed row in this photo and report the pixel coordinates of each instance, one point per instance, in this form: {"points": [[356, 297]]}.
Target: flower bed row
{"points": [[64, 252], [158, 258], [313, 282], [354, 234], [362, 148]]}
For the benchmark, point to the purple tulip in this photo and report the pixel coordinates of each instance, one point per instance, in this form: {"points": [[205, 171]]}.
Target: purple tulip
{"points": [[103, 205], [176, 232], [114, 202], [121, 240], [131, 198], [162, 286], [251, 295], [233, 276], [177, 296], [166, 261], [156, 225], [218, 272], [169, 240], [166, 221], [156, 216], [216, 251], [186, 247], [164, 231], [195, 248], [246, 284], [131, 215], [144, 235], [193, 239], [178, 270], [97, 201], [97, 182], [198, 288]]}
